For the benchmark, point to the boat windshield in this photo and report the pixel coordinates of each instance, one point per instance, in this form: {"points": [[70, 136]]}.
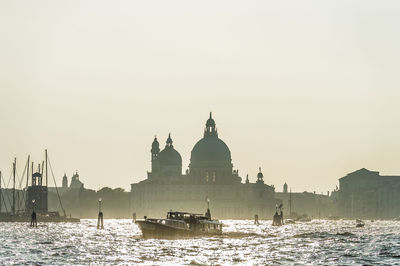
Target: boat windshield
{"points": [[187, 217], [178, 215]]}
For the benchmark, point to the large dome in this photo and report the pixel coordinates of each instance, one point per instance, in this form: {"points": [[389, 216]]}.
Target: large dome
{"points": [[210, 149]]}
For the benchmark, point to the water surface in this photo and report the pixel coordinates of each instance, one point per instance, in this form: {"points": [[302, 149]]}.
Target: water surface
{"points": [[316, 242]]}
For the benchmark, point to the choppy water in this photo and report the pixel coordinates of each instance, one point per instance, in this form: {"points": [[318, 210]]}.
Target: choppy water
{"points": [[316, 242]]}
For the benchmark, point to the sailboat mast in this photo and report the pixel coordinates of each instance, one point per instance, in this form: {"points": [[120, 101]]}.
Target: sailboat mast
{"points": [[46, 169], [14, 165], [27, 172], [32, 169], [290, 203]]}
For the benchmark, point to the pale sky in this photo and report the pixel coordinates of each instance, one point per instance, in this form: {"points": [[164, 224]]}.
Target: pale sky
{"points": [[308, 90]]}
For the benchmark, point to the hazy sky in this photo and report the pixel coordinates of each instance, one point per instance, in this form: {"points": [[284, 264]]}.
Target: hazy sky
{"points": [[308, 90]]}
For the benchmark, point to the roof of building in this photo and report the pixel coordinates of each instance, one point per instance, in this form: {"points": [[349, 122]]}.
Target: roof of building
{"points": [[360, 172]]}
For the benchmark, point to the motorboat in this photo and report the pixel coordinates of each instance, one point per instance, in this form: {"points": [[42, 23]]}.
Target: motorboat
{"points": [[180, 224], [359, 223]]}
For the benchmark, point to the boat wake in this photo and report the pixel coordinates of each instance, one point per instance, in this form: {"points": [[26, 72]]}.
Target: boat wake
{"points": [[324, 235], [244, 235]]}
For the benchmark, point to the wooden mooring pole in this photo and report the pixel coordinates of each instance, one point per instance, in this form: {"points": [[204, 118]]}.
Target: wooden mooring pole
{"points": [[100, 224], [33, 216]]}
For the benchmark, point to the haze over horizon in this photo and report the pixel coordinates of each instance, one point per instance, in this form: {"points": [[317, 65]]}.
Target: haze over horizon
{"points": [[308, 91]]}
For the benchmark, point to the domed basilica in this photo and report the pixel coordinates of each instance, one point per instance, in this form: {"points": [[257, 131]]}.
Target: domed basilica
{"points": [[210, 176]]}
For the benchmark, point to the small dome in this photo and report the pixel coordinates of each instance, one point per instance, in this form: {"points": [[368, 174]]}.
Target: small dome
{"points": [[260, 177], [169, 156], [76, 175]]}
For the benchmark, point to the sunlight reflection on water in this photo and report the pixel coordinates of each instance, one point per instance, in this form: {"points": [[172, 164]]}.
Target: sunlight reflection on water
{"points": [[316, 242]]}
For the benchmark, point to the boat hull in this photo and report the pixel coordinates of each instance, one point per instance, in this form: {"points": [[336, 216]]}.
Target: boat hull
{"points": [[156, 230], [152, 229]]}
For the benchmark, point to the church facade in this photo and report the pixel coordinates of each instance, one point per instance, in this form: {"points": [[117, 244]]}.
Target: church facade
{"points": [[210, 178]]}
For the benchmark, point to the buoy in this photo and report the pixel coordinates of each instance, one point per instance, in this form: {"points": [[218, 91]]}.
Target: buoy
{"points": [[100, 224]]}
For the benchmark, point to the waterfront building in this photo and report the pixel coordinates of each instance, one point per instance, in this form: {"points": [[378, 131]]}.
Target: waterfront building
{"points": [[306, 203], [210, 176], [367, 194]]}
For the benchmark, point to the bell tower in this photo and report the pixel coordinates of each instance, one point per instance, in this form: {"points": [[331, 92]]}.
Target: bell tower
{"points": [[65, 181], [37, 193]]}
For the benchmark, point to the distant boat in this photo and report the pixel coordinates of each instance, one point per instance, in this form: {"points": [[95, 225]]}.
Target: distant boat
{"points": [[359, 223], [289, 221], [180, 224]]}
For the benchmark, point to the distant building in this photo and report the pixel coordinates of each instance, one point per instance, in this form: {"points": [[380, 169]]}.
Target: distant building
{"points": [[75, 182], [313, 204], [75, 185], [210, 176], [74, 188], [366, 194], [69, 195], [65, 181]]}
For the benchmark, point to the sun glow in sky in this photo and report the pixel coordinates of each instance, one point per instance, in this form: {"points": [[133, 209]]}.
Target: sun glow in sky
{"points": [[308, 90]]}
